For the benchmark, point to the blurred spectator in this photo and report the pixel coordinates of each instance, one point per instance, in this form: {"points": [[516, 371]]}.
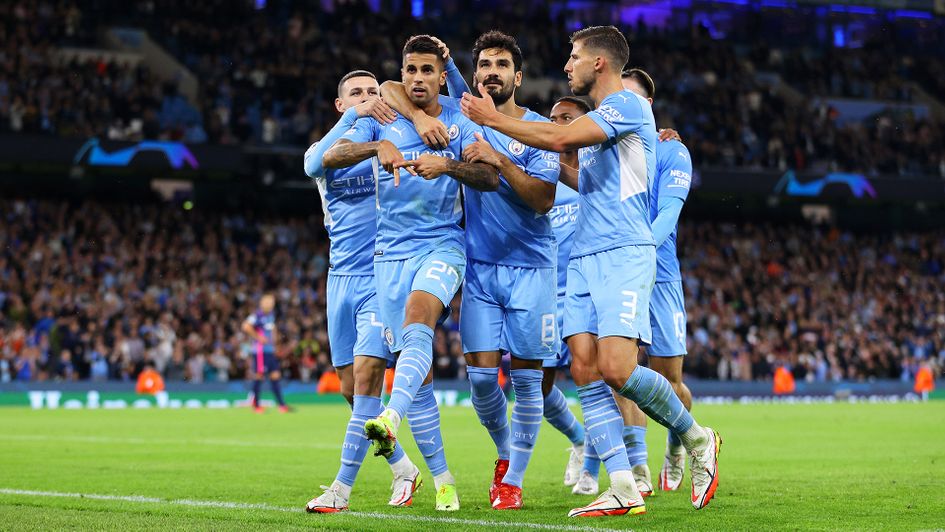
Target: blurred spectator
{"points": [[149, 381], [270, 76], [95, 291]]}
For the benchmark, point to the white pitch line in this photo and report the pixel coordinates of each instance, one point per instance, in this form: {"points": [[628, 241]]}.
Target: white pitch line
{"points": [[164, 441], [268, 507]]}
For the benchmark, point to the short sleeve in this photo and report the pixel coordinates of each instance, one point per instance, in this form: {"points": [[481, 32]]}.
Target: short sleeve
{"points": [[619, 114], [544, 165], [364, 130]]}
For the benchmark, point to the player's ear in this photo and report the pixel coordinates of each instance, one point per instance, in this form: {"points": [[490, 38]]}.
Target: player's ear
{"points": [[442, 78], [650, 100], [518, 78], [600, 63], [338, 105]]}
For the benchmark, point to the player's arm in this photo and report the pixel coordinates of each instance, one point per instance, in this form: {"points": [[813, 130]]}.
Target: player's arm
{"points": [[669, 208], [674, 181], [316, 152], [478, 176], [569, 174], [455, 82], [347, 153], [536, 192], [433, 132], [547, 136], [363, 142], [376, 108], [250, 330]]}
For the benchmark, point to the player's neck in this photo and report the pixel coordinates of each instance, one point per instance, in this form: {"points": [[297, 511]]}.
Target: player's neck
{"points": [[606, 85], [433, 108], [510, 108]]}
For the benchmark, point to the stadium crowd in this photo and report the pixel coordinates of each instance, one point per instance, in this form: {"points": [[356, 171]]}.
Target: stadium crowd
{"points": [[268, 76], [97, 291]]}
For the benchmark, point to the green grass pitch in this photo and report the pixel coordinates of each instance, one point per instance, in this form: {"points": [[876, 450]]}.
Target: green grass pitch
{"points": [[809, 467]]}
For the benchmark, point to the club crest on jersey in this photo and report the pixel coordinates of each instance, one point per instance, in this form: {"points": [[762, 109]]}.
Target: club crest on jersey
{"points": [[453, 132], [516, 147], [388, 336]]}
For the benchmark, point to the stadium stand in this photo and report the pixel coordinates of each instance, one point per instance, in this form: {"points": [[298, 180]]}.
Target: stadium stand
{"points": [[268, 79], [100, 290]]}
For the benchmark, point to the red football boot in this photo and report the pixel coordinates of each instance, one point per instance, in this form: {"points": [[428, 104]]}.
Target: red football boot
{"points": [[501, 466], [509, 498]]}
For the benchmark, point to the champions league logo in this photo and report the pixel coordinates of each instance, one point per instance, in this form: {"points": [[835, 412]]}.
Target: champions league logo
{"points": [[176, 153], [453, 132], [790, 185], [516, 147]]}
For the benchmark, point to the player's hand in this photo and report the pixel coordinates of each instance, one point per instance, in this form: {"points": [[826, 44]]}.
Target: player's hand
{"points": [[427, 166], [377, 109], [390, 158], [669, 134], [432, 131], [482, 152], [262, 339], [444, 50], [478, 109]]}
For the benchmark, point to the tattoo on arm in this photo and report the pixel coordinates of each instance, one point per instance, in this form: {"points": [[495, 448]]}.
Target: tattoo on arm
{"points": [[478, 176], [346, 153]]}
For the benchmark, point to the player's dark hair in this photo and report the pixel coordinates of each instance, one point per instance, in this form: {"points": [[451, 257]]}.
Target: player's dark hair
{"points": [[497, 39], [608, 39], [354, 74], [642, 78], [577, 102], [422, 44]]}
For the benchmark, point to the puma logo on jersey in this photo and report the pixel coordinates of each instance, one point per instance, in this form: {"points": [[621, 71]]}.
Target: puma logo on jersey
{"points": [[398, 131]]}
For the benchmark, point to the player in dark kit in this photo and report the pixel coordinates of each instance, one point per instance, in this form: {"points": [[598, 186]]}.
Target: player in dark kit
{"points": [[261, 326]]}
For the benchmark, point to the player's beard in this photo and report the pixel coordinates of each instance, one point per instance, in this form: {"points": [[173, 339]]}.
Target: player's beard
{"points": [[502, 94], [581, 86]]}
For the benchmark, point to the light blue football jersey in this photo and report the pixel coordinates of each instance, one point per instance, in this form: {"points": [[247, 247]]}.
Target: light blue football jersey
{"points": [[348, 203], [563, 221], [673, 178], [500, 227], [419, 215], [347, 196], [615, 175]]}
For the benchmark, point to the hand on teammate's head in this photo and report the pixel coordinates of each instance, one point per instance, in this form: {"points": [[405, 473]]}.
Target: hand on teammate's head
{"points": [[444, 50]]}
